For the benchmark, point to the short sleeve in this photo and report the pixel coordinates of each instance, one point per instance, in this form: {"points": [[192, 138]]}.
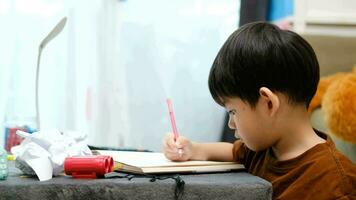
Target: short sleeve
{"points": [[239, 151]]}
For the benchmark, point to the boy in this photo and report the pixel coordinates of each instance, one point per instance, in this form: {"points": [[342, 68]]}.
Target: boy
{"points": [[265, 77]]}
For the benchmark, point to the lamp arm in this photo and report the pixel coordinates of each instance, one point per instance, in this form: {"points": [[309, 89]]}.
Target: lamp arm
{"points": [[55, 31], [37, 85]]}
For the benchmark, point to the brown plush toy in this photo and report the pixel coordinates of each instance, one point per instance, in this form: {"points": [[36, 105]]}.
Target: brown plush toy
{"points": [[336, 94]]}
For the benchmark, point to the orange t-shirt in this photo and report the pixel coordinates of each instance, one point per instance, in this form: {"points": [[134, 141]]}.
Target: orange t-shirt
{"points": [[322, 172]]}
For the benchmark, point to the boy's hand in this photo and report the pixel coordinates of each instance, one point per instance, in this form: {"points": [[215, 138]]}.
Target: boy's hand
{"points": [[180, 150]]}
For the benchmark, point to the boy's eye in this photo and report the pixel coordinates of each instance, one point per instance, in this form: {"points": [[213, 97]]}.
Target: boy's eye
{"points": [[231, 112]]}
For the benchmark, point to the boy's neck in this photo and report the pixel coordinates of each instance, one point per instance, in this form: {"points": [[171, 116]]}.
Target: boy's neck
{"points": [[297, 135]]}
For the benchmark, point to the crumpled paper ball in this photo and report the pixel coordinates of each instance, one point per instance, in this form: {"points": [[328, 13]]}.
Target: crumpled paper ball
{"points": [[43, 153]]}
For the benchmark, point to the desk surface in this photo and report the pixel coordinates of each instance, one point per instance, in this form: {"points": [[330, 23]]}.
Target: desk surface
{"points": [[235, 185]]}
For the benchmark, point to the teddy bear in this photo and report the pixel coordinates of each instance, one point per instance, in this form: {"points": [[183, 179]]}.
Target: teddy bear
{"points": [[336, 94]]}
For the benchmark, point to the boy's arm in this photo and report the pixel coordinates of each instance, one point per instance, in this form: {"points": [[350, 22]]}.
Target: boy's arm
{"points": [[217, 151]]}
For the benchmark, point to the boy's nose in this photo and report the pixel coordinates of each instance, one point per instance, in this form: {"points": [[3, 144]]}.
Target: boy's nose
{"points": [[231, 123]]}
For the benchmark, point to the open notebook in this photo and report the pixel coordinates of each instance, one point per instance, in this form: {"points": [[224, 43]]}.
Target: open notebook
{"points": [[154, 163]]}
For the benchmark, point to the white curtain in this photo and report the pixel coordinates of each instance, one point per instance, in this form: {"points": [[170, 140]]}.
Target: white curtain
{"points": [[110, 70]]}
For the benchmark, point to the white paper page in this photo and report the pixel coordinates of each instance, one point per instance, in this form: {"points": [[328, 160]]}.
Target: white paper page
{"points": [[149, 159]]}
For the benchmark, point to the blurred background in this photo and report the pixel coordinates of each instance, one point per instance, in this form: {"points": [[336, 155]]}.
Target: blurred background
{"points": [[110, 70]]}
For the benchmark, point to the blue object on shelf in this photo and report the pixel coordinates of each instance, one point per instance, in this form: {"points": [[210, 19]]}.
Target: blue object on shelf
{"points": [[279, 9]]}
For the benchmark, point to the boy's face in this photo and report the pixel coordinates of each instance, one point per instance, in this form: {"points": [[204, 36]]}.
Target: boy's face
{"points": [[252, 125]]}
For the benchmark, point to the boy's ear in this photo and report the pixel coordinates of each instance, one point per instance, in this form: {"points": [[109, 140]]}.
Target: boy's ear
{"points": [[270, 99]]}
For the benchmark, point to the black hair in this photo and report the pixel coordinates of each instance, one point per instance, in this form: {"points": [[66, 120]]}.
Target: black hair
{"points": [[259, 55]]}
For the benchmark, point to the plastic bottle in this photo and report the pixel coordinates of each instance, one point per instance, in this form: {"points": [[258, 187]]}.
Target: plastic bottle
{"points": [[4, 171]]}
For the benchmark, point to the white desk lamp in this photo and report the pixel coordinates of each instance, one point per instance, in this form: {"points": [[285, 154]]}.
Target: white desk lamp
{"points": [[56, 30]]}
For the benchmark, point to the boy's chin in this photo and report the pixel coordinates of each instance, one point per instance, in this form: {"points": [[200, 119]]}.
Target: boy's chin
{"points": [[250, 146], [255, 148]]}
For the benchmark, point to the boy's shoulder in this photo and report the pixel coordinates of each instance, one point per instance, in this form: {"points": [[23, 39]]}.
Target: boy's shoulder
{"points": [[328, 170], [325, 158], [322, 172]]}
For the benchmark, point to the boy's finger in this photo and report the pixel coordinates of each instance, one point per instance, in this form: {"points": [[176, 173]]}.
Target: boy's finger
{"points": [[168, 148], [175, 157], [180, 152], [172, 151], [171, 156], [181, 142], [169, 140]]}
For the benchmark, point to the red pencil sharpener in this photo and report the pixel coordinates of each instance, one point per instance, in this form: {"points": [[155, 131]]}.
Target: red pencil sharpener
{"points": [[88, 166]]}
